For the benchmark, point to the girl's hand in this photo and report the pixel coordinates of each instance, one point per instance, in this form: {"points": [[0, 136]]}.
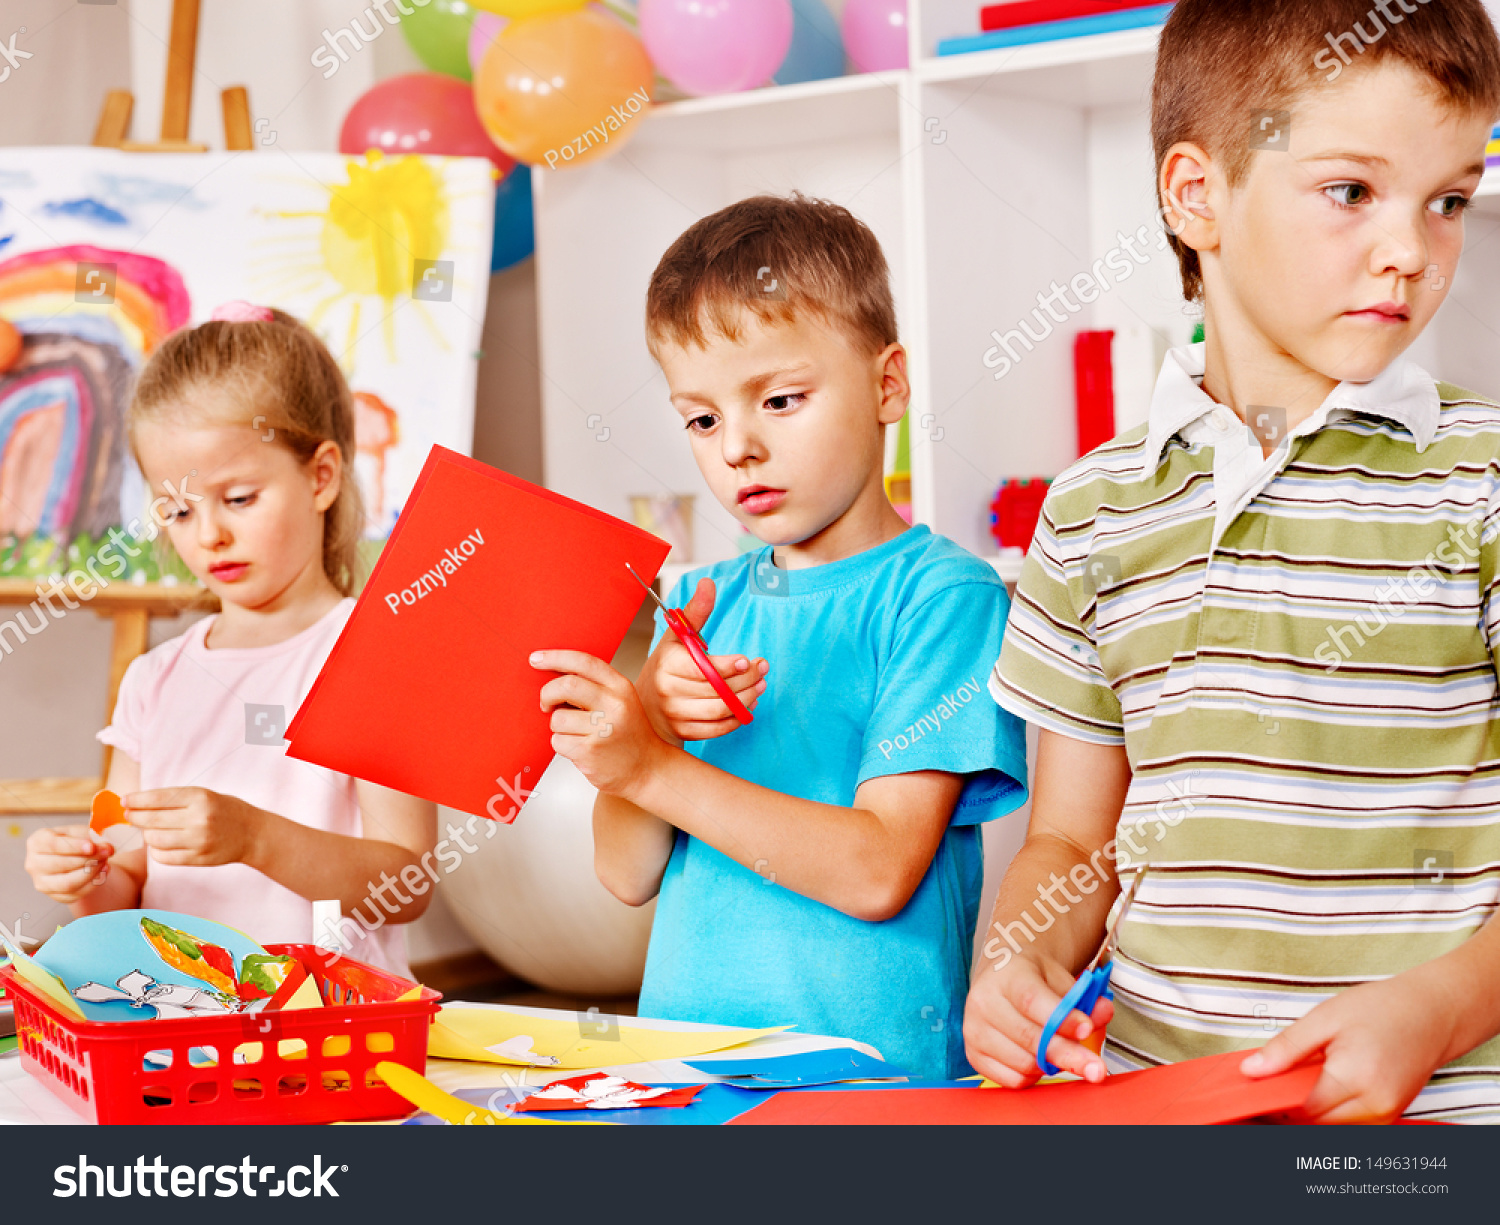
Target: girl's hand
{"points": [[681, 704], [1010, 1002], [193, 827], [68, 862], [598, 722], [1380, 1042]]}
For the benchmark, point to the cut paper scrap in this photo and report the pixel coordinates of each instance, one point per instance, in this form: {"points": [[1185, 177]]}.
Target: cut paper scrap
{"points": [[1197, 1091], [603, 1092], [490, 1035], [425, 1095], [42, 979], [107, 809], [807, 1068], [714, 1105]]}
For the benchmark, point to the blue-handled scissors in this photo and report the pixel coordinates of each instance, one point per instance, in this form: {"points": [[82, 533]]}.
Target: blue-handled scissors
{"points": [[1092, 984]]}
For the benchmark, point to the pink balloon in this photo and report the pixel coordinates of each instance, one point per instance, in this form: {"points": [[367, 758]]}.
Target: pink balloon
{"points": [[421, 112], [716, 46], [482, 33], [875, 34]]}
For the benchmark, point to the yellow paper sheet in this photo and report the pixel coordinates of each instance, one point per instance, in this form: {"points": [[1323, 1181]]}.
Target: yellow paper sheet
{"points": [[471, 1033], [43, 980]]}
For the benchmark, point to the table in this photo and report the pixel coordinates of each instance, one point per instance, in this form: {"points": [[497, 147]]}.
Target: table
{"points": [[24, 1100]]}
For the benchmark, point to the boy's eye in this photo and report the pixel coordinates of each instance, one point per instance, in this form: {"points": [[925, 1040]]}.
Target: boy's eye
{"points": [[790, 400], [1451, 206], [1347, 195], [243, 499], [702, 423]]}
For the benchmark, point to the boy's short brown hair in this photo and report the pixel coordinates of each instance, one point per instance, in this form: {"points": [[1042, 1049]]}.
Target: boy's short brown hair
{"points": [[1222, 63], [778, 257]]}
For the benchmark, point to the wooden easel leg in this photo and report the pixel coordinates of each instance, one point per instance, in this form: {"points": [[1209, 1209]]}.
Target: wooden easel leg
{"points": [[182, 49], [237, 134], [114, 119], [131, 637]]}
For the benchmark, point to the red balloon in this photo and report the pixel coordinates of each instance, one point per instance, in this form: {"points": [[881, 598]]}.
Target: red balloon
{"points": [[422, 112]]}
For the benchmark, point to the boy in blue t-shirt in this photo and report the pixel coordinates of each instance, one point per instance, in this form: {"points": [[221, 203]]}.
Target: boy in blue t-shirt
{"points": [[821, 866]]}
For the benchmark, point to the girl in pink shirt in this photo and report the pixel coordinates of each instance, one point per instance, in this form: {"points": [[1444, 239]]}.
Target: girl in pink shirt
{"points": [[249, 424]]}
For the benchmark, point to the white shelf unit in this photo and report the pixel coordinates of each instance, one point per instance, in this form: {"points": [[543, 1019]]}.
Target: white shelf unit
{"points": [[986, 177]]}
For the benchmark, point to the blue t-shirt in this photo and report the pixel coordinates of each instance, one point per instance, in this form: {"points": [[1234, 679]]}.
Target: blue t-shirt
{"points": [[872, 673]]}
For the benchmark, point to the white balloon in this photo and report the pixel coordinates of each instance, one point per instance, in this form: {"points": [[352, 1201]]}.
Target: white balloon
{"points": [[529, 897]]}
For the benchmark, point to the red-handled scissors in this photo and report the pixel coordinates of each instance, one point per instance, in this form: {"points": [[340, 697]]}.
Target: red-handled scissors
{"points": [[689, 638]]}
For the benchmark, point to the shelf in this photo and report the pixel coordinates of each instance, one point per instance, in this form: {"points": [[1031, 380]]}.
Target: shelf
{"points": [[159, 599], [1098, 70], [47, 796]]}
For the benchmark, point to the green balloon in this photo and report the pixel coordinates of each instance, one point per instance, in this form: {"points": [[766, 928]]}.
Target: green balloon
{"points": [[439, 34]]}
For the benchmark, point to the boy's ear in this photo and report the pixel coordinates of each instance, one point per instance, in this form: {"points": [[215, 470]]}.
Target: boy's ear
{"points": [[895, 386], [327, 468], [1186, 174]]}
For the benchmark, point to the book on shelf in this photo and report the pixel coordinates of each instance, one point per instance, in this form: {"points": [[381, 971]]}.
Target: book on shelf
{"points": [[1014, 13], [1051, 31]]}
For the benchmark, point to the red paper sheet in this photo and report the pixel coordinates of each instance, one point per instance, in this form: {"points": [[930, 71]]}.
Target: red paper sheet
{"points": [[428, 689], [1209, 1090]]}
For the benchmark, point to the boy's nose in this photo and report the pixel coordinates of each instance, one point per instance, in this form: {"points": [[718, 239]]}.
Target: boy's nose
{"points": [[1401, 247], [741, 444]]}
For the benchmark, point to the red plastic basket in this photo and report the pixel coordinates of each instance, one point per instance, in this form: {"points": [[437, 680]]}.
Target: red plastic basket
{"points": [[102, 1070]]}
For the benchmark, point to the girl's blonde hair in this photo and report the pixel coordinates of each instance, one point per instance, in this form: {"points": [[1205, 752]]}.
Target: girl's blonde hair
{"points": [[281, 381]]}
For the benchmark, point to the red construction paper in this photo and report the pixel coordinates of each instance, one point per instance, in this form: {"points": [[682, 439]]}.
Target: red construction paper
{"points": [[1209, 1090], [432, 694], [614, 1086]]}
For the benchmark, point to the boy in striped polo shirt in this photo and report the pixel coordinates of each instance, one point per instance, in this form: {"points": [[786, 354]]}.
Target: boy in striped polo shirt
{"points": [[1259, 633]]}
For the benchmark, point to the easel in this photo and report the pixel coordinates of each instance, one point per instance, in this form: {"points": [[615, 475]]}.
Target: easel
{"points": [[129, 606]]}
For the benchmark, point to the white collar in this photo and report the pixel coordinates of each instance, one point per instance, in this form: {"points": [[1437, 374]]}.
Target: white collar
{"points": [[1403, 392]]}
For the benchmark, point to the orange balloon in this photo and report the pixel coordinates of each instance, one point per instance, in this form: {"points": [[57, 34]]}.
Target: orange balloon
{"points": [[564, 88]]}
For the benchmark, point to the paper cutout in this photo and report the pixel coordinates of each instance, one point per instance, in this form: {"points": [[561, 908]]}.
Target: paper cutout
{"points": [[429, 689], [476, 1033], [715, 1104], [519, 1050], [106, 809], [425, 1095], [42, 979], [601, 1092], [806, 1068], [1208, 1090], [159, 964]]}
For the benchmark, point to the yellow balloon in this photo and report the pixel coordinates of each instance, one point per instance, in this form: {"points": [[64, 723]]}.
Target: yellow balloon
{"points": [[528, 8], [563, 89]]}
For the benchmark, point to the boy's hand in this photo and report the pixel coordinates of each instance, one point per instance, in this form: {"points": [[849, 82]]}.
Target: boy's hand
{"points": [[680, 703], [598, 722], [194, 827], [1380, 1042], [68, 862], [1009, 1004]]}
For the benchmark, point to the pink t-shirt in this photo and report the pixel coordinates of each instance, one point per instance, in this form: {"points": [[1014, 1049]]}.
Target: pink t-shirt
{"points": [[199, 717]]}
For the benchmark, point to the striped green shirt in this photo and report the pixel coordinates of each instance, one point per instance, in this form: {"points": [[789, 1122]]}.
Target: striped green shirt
{"points": [[1299, 655]]}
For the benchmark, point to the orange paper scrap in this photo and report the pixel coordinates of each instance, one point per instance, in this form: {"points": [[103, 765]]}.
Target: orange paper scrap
{"points": [[106, 810]]}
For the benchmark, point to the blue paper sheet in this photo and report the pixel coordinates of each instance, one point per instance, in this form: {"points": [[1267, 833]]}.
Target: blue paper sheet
{"points": [[807, 1068]]}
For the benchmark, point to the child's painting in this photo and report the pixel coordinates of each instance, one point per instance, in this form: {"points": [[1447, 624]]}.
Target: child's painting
{"points": [[103, 253]]}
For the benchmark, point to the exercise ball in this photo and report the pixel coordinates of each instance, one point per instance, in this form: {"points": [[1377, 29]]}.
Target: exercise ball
{"points": [[529, 897]]}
